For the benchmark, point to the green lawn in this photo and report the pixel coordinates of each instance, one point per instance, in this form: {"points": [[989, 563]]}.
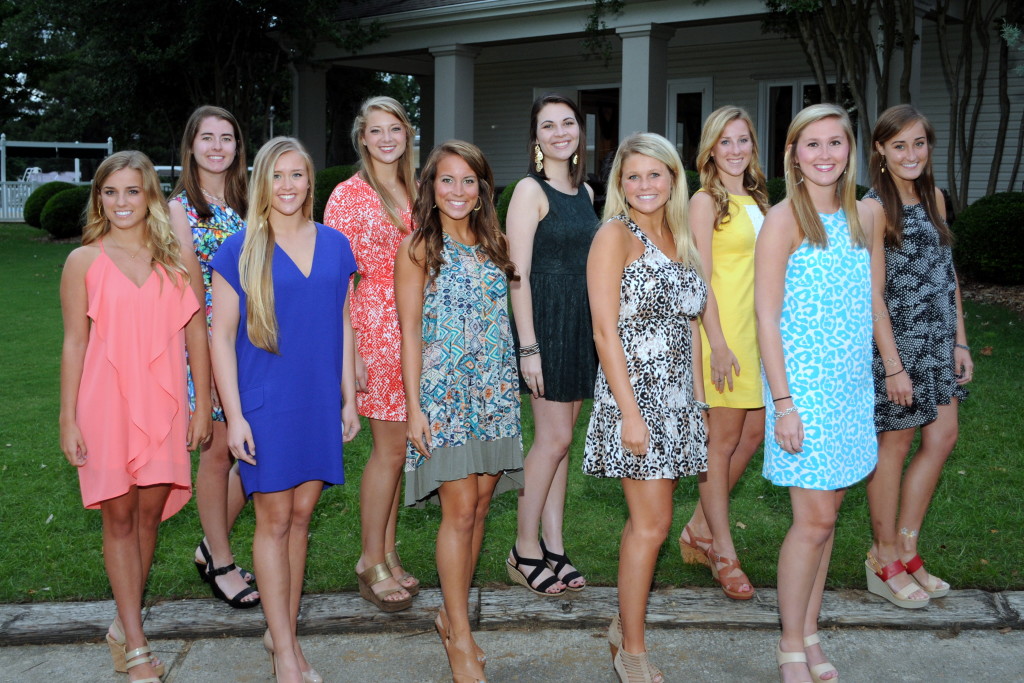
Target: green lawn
{"points": [[52, 546]]}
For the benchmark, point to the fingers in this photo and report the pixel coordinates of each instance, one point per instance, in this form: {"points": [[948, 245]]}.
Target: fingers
{"points": [[362, 383], [535, 383], [350, 430]]}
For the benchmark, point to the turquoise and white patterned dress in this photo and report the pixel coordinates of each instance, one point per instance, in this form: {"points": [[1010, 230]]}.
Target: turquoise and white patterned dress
{"points": [[469, 385], [826, 341]]}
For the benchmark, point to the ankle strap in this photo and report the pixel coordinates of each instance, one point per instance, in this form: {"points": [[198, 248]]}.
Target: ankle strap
{"points": [[140, 655], [221, 571]]}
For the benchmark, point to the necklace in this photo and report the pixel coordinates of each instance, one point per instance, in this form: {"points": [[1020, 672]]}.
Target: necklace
{"points": [[212, 197], [125, 249]]}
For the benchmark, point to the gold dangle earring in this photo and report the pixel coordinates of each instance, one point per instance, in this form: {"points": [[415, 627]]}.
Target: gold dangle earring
{"points": [[538, 158], [575, 159], [882, 164], [479, 205]]}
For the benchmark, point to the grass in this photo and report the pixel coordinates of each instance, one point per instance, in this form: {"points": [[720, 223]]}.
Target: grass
{"points": [[52, 546]]}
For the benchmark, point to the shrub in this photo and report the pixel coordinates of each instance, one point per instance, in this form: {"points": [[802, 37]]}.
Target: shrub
{"points": [[37, 200], [989, 241], [501, 206], [692, 181], [64, 215], [326, 181], [776, 190]]}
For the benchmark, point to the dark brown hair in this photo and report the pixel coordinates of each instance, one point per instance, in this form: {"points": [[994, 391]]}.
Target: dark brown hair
{"points": [[236, 182], [483, 223], [577, 172], [890, 123]]}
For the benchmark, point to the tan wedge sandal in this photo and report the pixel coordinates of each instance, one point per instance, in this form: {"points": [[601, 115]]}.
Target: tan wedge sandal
{"points": [[393, 561], [369, 578]]}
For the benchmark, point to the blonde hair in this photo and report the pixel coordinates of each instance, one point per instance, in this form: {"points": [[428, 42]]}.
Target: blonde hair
{"points": [[255, 264], [753, 177], [676, 209], [406, 173], [158, 236], [807, 220]]}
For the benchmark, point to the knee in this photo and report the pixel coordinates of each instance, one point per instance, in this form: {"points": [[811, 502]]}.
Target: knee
{"points": [[461, 520], [119, 526], [651, 532], [483, 506], [816, 529]]}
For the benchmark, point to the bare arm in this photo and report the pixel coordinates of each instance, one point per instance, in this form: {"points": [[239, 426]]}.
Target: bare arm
{"points": [[74, 304], [410, 279], [225, 368], [613, 248], [197, 340], [776, 241], [349, 415], [528, 206]]}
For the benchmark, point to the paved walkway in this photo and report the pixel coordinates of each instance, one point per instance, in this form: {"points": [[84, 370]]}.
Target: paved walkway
{"points": [[694, 635]]}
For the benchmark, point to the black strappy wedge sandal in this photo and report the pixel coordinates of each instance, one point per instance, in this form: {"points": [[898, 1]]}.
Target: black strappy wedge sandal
{"points": [[557, 563], [238, 600]]}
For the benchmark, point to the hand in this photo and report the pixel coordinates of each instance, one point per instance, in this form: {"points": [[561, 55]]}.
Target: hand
{"points": [[723, 362], [240, 442], [531, 371], [636, 437], [789, 433], [73, 445], [200, 427], [361, 378], [900, 389], [417, 430], [963, 366], [349, 422]]}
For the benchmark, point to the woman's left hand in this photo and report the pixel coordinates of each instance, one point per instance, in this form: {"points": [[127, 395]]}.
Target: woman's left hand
{"points": [[349, 422], [963, 366], [200, 427]]}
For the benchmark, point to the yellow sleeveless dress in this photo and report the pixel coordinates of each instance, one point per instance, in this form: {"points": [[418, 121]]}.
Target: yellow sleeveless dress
{"points": [[732, 280]]}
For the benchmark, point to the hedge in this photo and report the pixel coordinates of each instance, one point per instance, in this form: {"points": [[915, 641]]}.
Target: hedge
{"points": [[64, 215], [326, 181], [37, 201], [989, 244]]}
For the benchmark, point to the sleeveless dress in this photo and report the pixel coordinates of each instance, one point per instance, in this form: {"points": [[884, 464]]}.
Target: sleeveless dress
{"points": [[132, 402], [558, 283], [657, 300], [292, 400], [826, 341], [207, 236], [732, 280], [357, 211], [468, 387], [920, 293]]}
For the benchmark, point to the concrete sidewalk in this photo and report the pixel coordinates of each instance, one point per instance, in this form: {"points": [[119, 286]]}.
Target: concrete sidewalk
{"points": [[694, 635]]}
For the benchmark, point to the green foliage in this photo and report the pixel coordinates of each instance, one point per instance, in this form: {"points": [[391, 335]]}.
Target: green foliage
{"points": [[326, 181], [595, 42], [1014, 38], [37, 200], [692, 181], [776, 190], [64, 214], [504, 199], [989, 242]]}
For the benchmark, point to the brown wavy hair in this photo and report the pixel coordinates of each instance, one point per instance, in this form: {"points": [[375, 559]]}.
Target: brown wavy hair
{"points": [[890, 123], [159, 236], [577, 172], [405, 167], [753, 177], [236, 183], [483, 223]]}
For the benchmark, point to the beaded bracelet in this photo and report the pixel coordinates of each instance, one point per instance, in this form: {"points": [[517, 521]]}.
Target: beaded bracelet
{"points": [[965, 347], [784, 413], [529, 350]]}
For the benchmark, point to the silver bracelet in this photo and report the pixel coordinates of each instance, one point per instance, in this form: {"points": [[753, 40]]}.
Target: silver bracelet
{"points": [[784, 413], [702, 405]]}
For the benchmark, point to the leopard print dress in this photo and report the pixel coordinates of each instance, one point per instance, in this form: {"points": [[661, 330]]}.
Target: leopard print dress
{"points": [[657, 300]]}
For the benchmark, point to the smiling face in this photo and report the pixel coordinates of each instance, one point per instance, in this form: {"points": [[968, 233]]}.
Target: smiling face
{"points": [[384, 136], [822, 151], [456, 188], [558, 132], [646, 183], [124, 201], [291, 184], [214, 145], [733, 151], [906, 153]]}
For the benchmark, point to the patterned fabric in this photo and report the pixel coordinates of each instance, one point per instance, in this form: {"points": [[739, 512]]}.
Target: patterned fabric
{"points": [[468, 383], [920, 293], [732, 280], [357, 211], [558, 287], [657, 300], [207, 236], [826, 341]]}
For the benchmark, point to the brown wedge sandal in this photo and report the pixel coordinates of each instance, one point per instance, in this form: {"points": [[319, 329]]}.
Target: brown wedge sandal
{"points": [[723, 568], [393, 561], [369, 578], [691, 549]]}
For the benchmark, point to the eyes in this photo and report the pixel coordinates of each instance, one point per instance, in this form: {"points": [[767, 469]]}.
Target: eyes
{"points": [[900, 146], [636, 176], [837, 142], [111, 192], [377, 130], [448, 180], [567, 123], [725, 142], [295, 175], [224, 139]]}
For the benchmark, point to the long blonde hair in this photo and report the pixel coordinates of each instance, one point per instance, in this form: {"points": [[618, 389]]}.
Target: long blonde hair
{"points": [[255, 264], [807, 220], [158, 236], [405, 168], [676, 210], [753, 177]]}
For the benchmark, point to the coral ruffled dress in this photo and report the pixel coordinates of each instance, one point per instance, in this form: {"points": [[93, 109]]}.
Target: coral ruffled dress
{"points": [[132, 401]]}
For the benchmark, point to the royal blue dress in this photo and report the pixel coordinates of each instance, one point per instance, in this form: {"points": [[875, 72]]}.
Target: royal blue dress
{"points": [[292, 400]]}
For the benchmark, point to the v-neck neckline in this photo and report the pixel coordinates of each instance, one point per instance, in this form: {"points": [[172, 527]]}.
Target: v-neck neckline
{"points": [[312, 261], [125, 275]]}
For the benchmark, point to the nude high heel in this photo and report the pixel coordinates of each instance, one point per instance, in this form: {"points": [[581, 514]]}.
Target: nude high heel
{"points": [[615, 644], [820, 669], [789, 658], [309, 676]]}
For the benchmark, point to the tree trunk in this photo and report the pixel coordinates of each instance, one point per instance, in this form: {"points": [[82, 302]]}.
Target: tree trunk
{"points": [[1004, 117]]}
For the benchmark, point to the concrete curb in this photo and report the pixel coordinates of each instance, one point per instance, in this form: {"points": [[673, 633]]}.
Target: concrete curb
{"points": [[509, 608]]}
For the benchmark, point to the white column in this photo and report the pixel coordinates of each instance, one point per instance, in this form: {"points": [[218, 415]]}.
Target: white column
{"points": [[644, 78], [453, 91], [309, 110]]}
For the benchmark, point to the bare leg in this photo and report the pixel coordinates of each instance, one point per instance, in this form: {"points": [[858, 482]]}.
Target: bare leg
{"points": [[919, 481], [800, 562], [378, 500], [553, 514], [553, 424], [815, 655], [650, 518], [304, 501], [220, 498]]}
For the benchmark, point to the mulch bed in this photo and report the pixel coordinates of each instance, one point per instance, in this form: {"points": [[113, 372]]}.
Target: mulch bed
{"points": [[1010, 296]]}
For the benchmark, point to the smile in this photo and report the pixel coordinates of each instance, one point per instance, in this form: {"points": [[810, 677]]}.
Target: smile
{"points": [[123, 214], [287, 197], [824, 168]]}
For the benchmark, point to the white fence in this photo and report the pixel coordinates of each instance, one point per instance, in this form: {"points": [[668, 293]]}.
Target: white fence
{"points": [[12, 199]]}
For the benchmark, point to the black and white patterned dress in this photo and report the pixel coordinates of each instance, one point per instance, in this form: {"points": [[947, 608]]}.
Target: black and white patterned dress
{"points": [[920, 293], [657, 300]]}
